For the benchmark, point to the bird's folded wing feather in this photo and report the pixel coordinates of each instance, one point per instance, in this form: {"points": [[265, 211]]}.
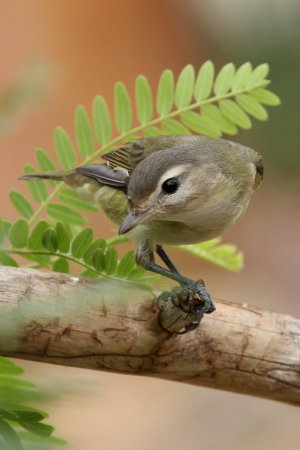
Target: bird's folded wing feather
{"points": [[131, 154]]}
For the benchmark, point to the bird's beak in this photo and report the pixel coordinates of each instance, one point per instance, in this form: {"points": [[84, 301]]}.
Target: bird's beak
{"points": [[133, 219]]}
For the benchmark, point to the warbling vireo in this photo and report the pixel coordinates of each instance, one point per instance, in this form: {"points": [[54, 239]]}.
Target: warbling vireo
{"points": [[169, 190]]}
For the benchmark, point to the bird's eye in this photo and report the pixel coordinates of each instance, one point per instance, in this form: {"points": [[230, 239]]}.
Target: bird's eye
{"points": [[170, 186]]}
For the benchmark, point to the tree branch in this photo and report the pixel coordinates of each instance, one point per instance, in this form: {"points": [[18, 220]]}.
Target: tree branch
{"points": [[103, 325]]}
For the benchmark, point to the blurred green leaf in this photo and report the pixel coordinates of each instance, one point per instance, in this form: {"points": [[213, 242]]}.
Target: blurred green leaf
{"points": [[36, 188], [98, 260], [172, 126], [18, 234], [21, 204], [65, 214], [49, 240], [241, 76], [63, 237], [35, 239], [111, 260], [223, 255], [61, 265], [82, 242], [98, 243], [6, 260], [72, 199], [200, 124]]}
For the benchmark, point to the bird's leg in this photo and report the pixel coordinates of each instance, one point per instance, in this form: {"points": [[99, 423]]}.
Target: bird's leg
{"points": [[194, 285], [162, 254]]}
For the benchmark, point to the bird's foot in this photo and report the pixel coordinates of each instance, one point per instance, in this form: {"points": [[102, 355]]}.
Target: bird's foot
{"points": [[192, 299], [197, 291]]}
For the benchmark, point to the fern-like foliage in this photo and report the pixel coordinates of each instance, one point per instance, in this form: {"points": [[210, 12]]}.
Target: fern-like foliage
{"points": [[21, 426], [198, 103]]}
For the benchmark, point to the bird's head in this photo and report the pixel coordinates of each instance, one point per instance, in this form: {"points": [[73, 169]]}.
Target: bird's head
{"points": [[165, 186]]}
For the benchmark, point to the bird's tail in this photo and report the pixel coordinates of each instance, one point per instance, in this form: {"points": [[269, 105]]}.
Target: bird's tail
{"points": [[55, 175]]}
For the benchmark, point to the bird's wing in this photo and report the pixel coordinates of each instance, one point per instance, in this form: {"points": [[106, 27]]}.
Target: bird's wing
{"points": [[105, 175], [131, 154]]}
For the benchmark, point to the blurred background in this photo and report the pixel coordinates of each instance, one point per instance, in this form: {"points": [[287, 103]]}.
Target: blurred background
{"points": [[60, 53]]}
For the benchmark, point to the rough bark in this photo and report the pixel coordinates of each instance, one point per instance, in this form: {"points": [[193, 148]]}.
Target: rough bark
{"points": [[103, 325]]}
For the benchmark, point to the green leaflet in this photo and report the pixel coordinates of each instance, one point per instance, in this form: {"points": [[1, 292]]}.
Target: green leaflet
{"points": [[49, 240], [64, 149], [101, 120], [165, 93], [172, 126], [65, 214], [35, 239], [21, 204], [83, 131], [81, 243], [204, 81], [72, 199], [185, 86], [36, 188], [252, 106], [143, 97], [223, 255], [126, 265], [123, 116], [18, 234], [200, 124], [241, 76], [234, 113], [224, 79], [63, 237], [111, 260]]}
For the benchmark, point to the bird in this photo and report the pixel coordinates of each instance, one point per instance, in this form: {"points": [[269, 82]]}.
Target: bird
{"points": [[169, 189]]}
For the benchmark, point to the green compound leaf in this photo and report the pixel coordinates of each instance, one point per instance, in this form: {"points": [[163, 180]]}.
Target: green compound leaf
{"points": [[21, 204], [144, 102], [185, 86], [123, 115], [223, 255], [83, 131], [224, 79], [72, 199], [165, 93], [65, 214], [64, 149], [36, 188], [252, 106], [111, 260], [18, 234], [234, 113], [81, 243], [204, 81], [63, 237], [101, 120], [49, 240]]}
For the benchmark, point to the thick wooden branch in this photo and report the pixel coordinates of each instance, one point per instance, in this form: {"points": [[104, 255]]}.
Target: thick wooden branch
{"points": [[103, 325]]}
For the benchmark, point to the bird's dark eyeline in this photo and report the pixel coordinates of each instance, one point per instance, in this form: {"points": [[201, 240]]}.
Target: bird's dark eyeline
{"points": [[170, 190]]}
